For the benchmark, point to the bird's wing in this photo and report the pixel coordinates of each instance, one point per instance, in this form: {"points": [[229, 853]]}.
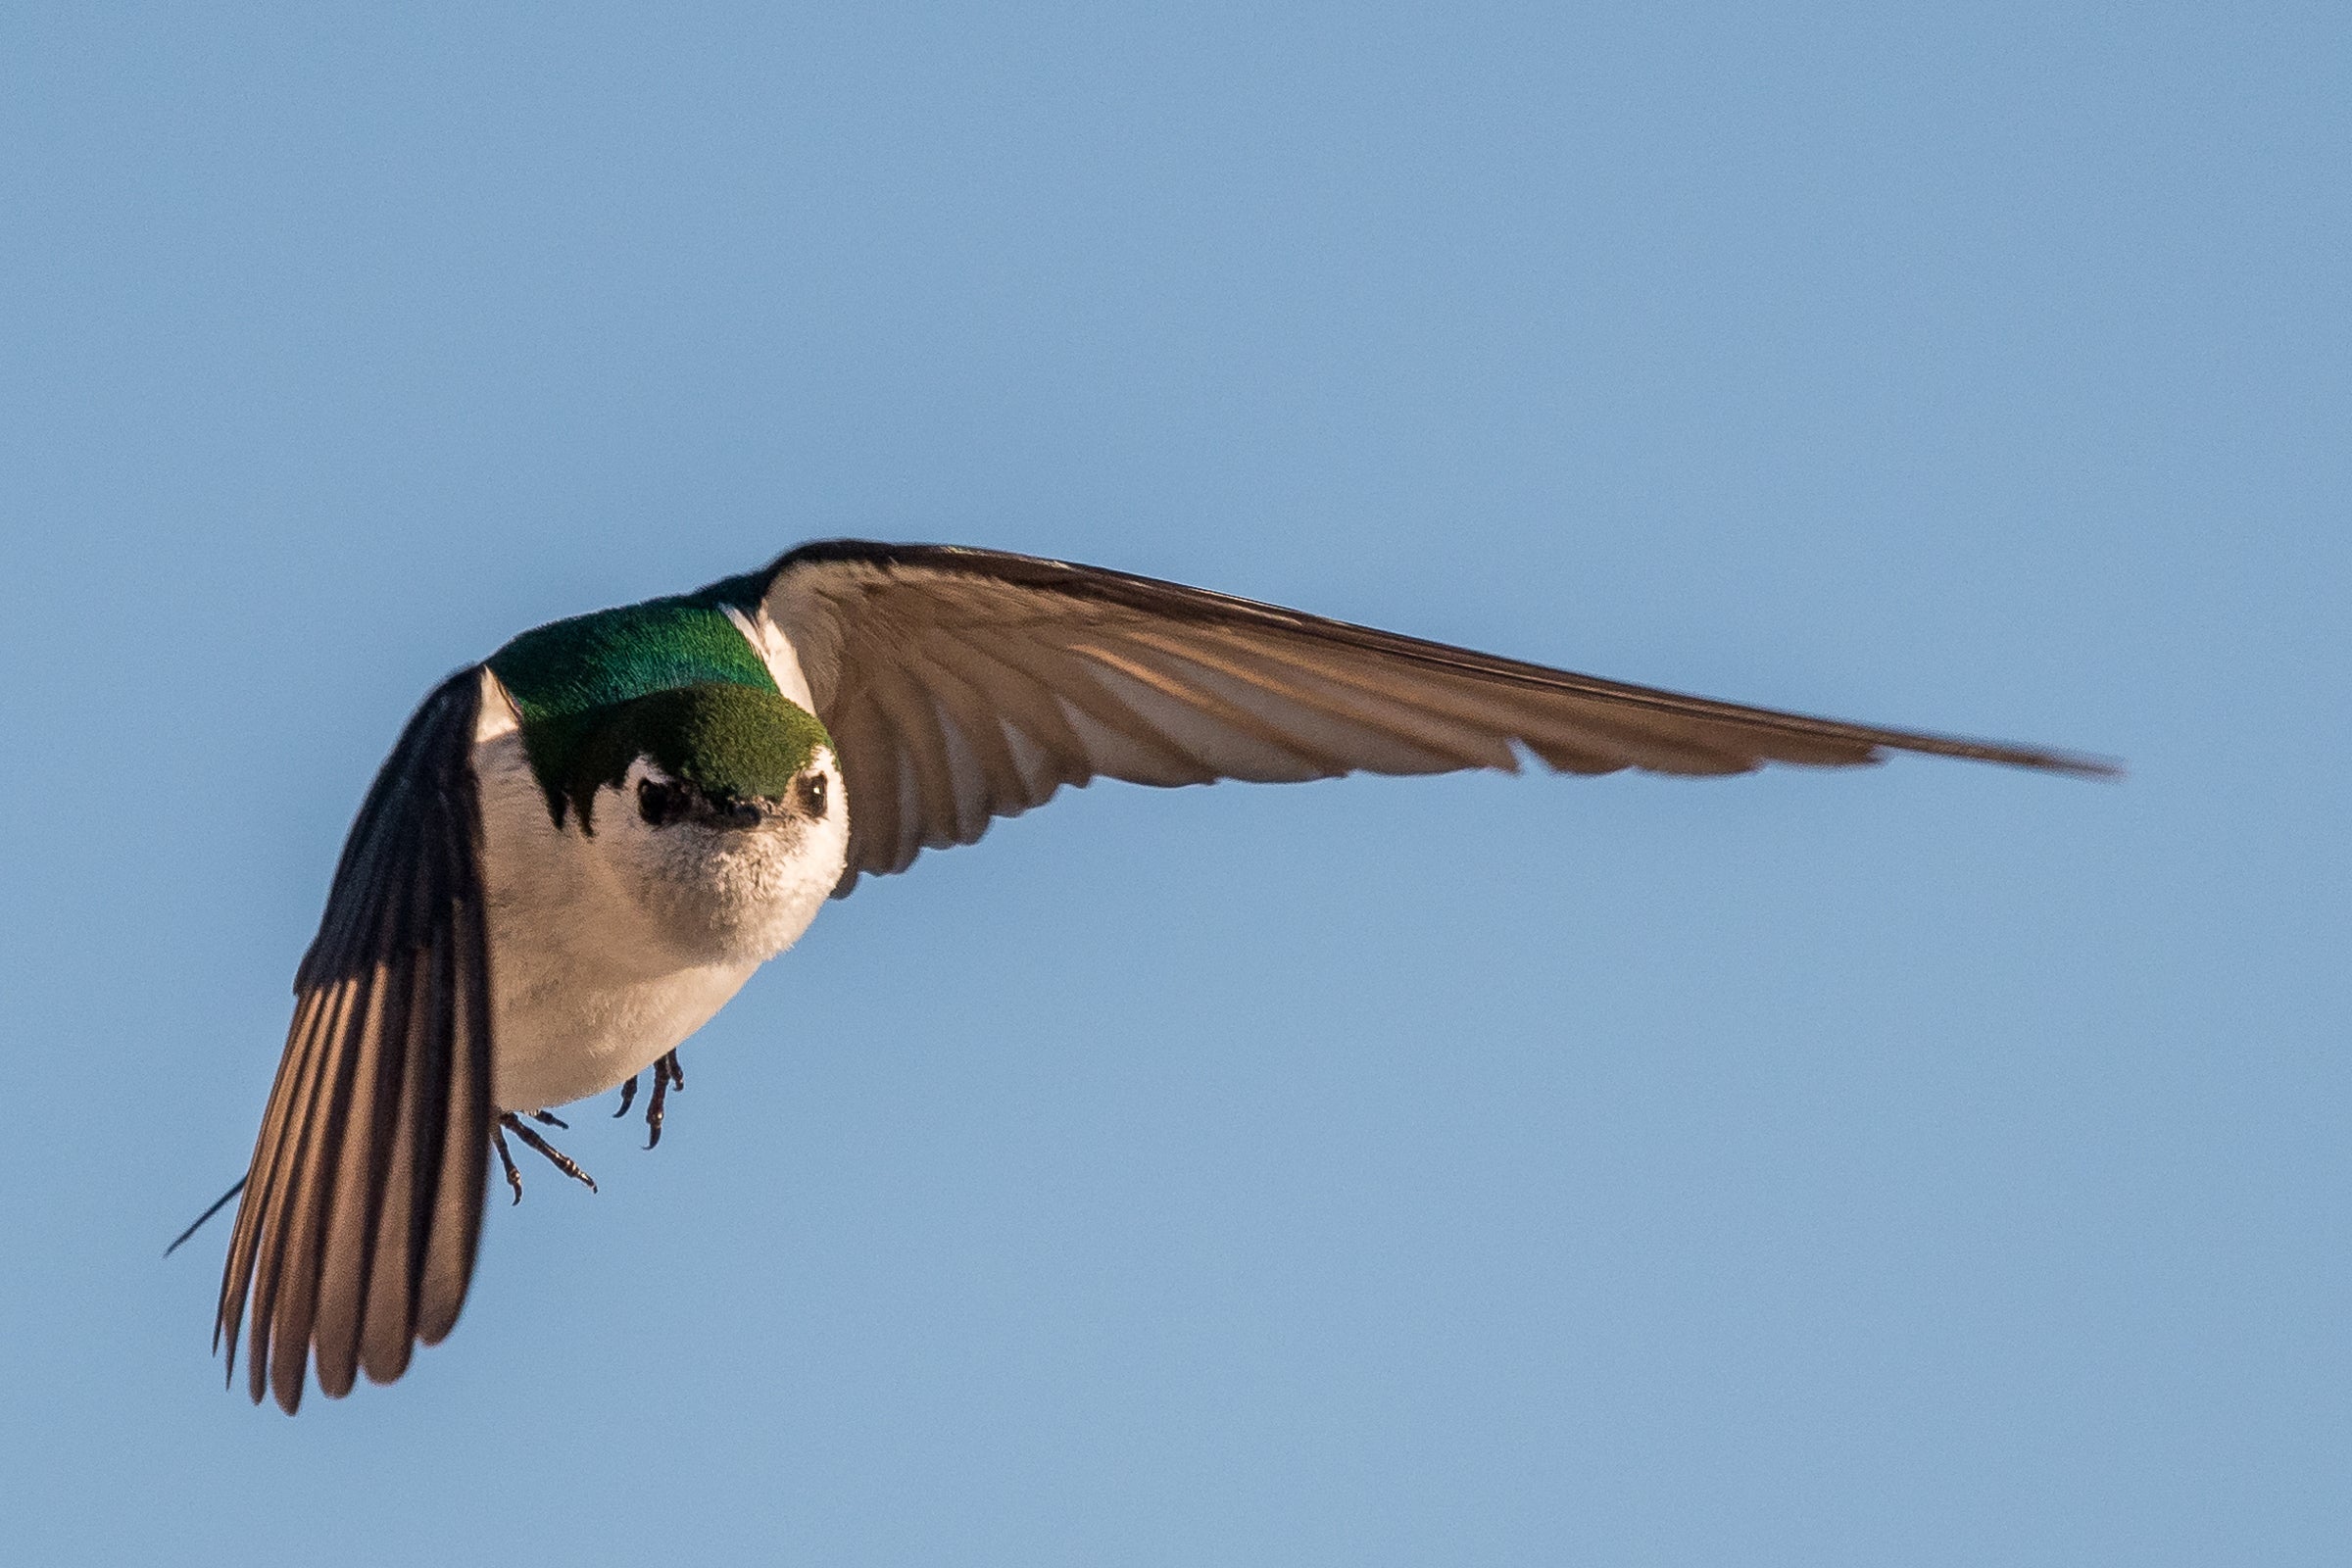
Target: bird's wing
{"points": [[363, 1206], [962, 685]]}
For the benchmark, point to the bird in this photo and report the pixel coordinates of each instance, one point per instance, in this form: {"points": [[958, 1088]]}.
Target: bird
{"points": [[580, 849]]}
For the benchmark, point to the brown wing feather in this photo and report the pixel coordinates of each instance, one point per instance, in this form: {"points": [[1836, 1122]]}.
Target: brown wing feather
{"points": [[936, 667], [363, 1206]]}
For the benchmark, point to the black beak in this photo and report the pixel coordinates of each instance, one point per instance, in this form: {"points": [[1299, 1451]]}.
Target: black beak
{"points": [[661, 802], [729, 811]]}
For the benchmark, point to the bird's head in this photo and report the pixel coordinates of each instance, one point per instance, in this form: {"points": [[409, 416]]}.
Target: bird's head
{"points": [[716, 806], [718, 757]]}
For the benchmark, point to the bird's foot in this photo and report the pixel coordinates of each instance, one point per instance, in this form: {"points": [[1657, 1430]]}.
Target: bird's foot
{"points": [[667, 1075], [508, 1122]]}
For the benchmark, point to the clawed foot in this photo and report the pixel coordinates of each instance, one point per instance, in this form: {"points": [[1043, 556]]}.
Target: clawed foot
{"points": [[667, 1075], [508, 1122]]}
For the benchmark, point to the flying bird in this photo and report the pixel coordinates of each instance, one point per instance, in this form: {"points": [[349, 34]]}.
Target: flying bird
{"points": [[582, 847]]}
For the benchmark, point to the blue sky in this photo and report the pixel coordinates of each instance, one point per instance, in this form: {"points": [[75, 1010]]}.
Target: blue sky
{"points": [[1928, 1164]]}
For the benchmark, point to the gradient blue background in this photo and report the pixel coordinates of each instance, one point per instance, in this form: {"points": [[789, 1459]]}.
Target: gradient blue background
{"points": [[1928, 1165]]}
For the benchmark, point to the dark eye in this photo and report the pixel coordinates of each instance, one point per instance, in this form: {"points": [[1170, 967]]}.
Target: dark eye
{"points": [[812, 794], [659, 803]]}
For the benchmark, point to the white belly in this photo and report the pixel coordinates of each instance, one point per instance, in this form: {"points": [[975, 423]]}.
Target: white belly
{"points": [[573, 1023], [588, 987]]}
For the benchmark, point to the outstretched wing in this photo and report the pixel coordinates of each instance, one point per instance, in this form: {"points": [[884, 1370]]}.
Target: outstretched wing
{"points": [[962, 685], [363, 1208]]}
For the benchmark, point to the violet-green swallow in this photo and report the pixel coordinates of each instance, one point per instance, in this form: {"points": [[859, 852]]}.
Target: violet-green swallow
{"points": [[583, 845]]}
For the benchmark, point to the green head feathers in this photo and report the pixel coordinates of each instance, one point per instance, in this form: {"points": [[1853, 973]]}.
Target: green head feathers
{"points": [[672, 680], [730, 740]]}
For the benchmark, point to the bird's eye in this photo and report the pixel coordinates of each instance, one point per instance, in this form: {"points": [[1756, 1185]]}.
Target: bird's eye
{"points": [[812, 794], [658, 802]]}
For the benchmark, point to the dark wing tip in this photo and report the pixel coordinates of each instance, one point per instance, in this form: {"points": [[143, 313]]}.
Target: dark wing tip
{"points": [[2039, 758]]}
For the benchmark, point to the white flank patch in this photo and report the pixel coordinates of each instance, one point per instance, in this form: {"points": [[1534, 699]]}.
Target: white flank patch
{"points": [[775, 649], [498, 716]]}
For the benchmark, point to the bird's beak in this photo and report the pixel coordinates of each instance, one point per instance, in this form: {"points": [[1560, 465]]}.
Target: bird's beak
{"points": [[735, 811]]}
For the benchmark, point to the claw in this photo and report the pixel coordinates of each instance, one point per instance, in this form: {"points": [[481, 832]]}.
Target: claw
{"points": [[667, 1075], [554, 1155], [498, 1141]]}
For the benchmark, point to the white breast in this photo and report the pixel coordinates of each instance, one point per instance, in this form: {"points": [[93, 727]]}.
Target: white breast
{"points": [[607, 949]]}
